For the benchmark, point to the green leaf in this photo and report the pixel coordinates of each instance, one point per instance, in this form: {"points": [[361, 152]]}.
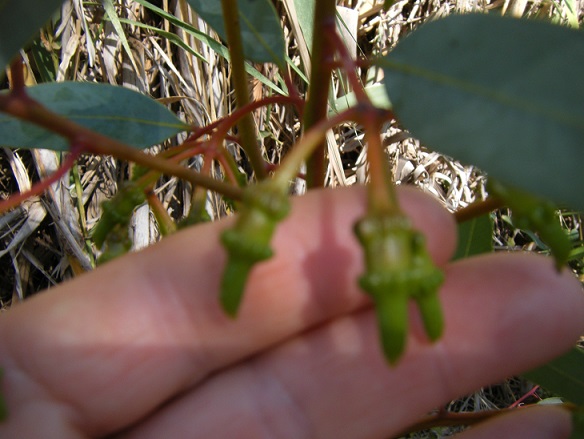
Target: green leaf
{"points": [[171, 37], [578, 424], [563, 376], [20, 20], [114, 111], [200, 36], [376, 93], [118, 212], [305, 10], [110, 10], [475, 236], [500, 93], [45, 62], [535, 214], [262, 37], [305, 16]]}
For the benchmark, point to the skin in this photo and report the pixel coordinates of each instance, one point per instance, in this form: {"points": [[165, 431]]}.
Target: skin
{"points": [[141, 349]]}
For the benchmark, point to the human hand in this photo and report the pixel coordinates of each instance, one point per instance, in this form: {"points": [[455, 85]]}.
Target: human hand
{"points": [[140, 348]]}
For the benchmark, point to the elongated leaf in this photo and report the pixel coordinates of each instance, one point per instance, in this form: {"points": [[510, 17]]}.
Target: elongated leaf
{"points": [[171, 37], [563, 376], [110, 10], [110, 110], [197, 34], [20, 20], [46, 63], [578, 424], [305, 16], [376, 93], [500, 93], [475, 237], [262, 37]]}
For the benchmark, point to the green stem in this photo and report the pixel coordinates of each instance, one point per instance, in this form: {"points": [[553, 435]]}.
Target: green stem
{"points": [[246, 127], [309, 142], [166, 225], [320, 77], [81, 212]]}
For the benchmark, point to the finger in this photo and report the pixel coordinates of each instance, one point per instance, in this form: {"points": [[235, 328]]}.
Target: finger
{"points": [[504, 314], [532, 423], [139, 330]]}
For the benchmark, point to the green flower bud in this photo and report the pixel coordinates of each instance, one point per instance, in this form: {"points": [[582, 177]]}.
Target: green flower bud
{"points": [[117, 212], [248, 242], [398, 268]]}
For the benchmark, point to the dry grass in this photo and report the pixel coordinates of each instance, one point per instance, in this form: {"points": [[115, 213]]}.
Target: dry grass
{"points": [[46, 240]]}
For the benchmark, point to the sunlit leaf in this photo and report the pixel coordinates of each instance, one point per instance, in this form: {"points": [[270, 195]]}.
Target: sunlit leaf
{"points": [[20, 20], [376, 93], [305, 17], [500, 93], [110, 110], [46, 63], [110, 10], [262, 37]]}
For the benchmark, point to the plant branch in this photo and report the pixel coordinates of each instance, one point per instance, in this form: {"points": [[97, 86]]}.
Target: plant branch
{"points": [[310, 141], [448, 419], [381, 190], [320, 77], [246, 127], [17, 82], [477, 209], [41, 186], [349, 66], [217, 131], [29, 110]]}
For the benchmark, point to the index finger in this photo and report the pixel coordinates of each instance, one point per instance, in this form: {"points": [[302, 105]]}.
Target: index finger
{"points": [[152, 321]]}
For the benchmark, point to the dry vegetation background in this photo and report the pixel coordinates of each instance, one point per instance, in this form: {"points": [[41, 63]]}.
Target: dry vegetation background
{"points": [[46, 240]]}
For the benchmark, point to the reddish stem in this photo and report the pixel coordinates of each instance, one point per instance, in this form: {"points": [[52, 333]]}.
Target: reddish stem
{"points": [[524, 397], [41, 186], [17, 82], [477, 209], [293, 91], [349, 67], [227, 122], [165, 223], [27, 109], [382, 198], [359, 62], [223, 161], [20, 105]]}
